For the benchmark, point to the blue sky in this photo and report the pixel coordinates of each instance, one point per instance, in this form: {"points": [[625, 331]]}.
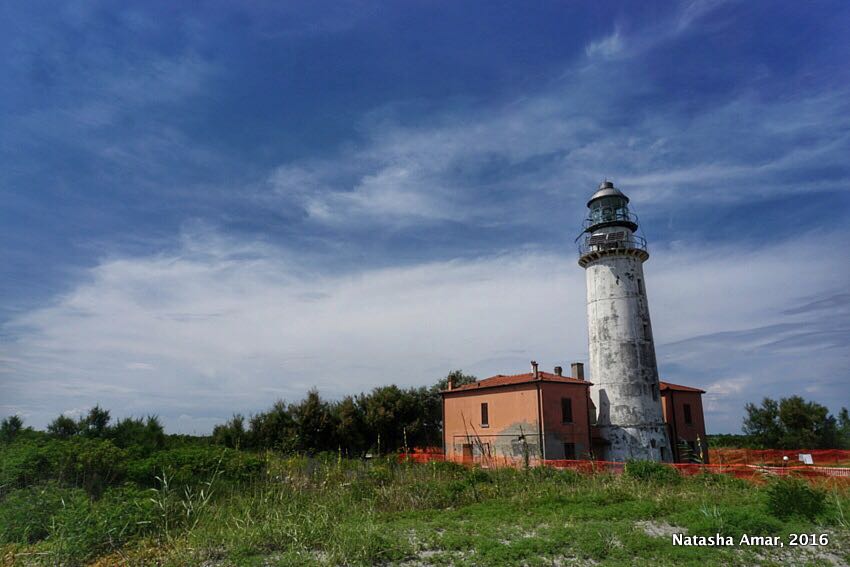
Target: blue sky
{"points": [[206, 208]]}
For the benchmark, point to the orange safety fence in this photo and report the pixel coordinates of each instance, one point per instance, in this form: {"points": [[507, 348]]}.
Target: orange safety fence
{"points": [[820, 457], [755, 471], [750, 472]]}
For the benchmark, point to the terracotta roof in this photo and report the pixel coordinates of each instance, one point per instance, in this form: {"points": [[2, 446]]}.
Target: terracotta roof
{"points": [[502, 380], [668, 386]]}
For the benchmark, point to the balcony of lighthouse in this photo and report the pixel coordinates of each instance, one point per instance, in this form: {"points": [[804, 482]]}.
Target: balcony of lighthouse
{"points": [[613, 243]]}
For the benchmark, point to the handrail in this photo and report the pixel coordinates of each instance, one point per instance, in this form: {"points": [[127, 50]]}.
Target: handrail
{"points": [[634, 243]]}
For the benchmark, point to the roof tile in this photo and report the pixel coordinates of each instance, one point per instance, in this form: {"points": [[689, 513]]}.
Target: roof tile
{"points": [[502, 380], [668, 386]]}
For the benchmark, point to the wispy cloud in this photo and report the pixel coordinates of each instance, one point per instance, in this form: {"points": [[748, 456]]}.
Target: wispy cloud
{"points": [[607, 47], [509, 163], [621, 45]]}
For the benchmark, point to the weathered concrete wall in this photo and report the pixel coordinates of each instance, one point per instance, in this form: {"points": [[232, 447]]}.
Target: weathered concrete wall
{"points": [[622, 361], [555, 431], [513, 426]]}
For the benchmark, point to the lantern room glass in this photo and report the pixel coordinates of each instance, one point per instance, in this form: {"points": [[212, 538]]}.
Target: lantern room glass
{"points": [[609, 209]]}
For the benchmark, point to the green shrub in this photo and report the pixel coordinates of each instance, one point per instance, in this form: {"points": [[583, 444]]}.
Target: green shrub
{"points": [[91, 464], [477, 475], [650, 471], [789, 496], [28, 462], [381, 474], [26, 515], [189, 466], [95, 464]]}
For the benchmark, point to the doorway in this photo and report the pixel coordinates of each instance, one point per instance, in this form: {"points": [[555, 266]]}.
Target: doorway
{"points": [[467, 453]]}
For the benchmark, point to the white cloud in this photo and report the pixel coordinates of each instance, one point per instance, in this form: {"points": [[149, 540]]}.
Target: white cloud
{"points": [[607, 47], [223, 326]]}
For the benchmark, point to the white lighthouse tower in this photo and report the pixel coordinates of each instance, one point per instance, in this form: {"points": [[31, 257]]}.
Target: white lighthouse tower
{"points": [[622, 352]]}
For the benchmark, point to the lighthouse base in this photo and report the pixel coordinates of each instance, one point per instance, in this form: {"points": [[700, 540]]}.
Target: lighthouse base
{"points": [[634, 443]]}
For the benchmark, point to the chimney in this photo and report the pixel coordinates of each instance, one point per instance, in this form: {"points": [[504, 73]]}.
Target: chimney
{"points": [[451, 382], [534, 368], [577, 370], [559, 371]]}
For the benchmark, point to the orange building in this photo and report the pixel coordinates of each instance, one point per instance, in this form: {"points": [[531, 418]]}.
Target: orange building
{"points": [[541, 414], [682, 409]]}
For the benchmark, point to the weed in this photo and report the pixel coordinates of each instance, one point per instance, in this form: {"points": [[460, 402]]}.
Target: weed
{"points": [[788, 497], [653, 472]]}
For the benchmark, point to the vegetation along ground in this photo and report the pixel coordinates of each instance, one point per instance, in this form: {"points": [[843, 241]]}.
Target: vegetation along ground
{"points": [[82, 501]]}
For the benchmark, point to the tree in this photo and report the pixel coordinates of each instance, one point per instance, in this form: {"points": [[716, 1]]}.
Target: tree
{"points": [[792, 423], [10, 428], [351, 431], [314, 424], [806, 424], [63, 427], [231, 434], [459, 380], [274, 429], [844, 429], [95, 423], [143, 436], [391, 414], [762, 424]]}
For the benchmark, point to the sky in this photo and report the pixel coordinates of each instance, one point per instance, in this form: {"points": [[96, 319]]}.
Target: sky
{"points": [[206, 208]]}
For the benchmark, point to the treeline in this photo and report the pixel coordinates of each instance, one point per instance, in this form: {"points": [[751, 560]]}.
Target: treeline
{"points": [[794, 423], [143, 435], [386, 419], [96, 454]]}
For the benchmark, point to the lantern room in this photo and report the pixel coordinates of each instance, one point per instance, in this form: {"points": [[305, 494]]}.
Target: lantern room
{"points": [[609, 207]]}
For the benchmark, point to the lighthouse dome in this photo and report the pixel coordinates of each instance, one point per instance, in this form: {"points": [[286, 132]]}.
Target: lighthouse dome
{"points": [[607, 189]]}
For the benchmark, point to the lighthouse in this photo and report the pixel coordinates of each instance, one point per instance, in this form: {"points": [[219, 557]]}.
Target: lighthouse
{"points": [[622, 353]]}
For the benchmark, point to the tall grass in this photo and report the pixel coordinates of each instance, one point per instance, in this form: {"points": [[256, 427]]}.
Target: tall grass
{"points": [[331, 510]]}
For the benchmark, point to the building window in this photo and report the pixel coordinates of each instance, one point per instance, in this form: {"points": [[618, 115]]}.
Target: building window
{"points": [[570, 451], [566, 410], [688, 417], [485, 416], [640, 285]]}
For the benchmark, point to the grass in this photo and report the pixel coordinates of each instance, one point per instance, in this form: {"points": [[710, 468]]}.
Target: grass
{"points": [[336, 511]]}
